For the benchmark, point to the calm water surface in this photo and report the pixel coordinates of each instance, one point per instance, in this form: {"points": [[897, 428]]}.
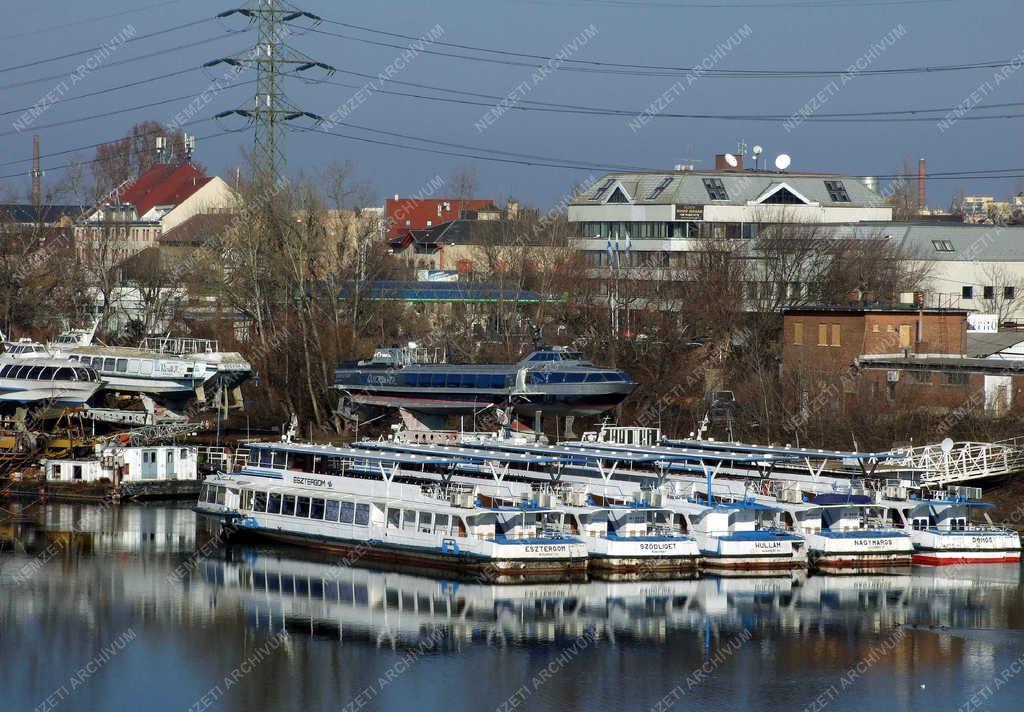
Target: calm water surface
{"points": [[136, 608]]}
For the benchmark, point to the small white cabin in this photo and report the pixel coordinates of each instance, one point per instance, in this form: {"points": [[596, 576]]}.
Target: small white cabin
{"points": [[128, 464]]}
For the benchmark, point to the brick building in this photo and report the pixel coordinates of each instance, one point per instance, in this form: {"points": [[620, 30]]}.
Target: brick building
{"points": [[890, 356]]}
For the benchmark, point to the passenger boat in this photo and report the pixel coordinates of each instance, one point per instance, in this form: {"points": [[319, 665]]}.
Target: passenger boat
{"points": [[848, 531], [943, 532], [551, 380], [439, 527], [133, 370], [46, 381], [737, 537], [625, 537], [24, 348]]}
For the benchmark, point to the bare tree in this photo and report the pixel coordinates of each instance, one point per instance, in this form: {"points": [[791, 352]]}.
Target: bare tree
{"points": [[1003, 293]]}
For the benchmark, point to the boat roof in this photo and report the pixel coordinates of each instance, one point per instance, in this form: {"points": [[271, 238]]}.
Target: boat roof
{"points": [[663, 452], [796, 452], [394, 457], [461, 453]]}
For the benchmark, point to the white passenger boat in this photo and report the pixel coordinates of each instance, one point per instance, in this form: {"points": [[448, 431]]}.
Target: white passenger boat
{"points": [[625, 537], [943, 532], [846, 531], [736, 537], [132, 370], [46, 381], [438, 527], [24, 348]]}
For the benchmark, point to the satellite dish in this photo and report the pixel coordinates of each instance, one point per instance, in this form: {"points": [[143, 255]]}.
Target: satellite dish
{"points": [[947, 445], [757, 150], [731, 160], [782, 161]]}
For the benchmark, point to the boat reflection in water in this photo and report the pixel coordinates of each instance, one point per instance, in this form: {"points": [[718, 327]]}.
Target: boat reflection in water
{"points": [[320, 599], [162, 557]]}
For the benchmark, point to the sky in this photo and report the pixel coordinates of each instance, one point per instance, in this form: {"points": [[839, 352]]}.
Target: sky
{"points": [[718, 35]]}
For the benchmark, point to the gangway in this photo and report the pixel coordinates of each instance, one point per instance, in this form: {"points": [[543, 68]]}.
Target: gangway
{"points": [[949, 462]]}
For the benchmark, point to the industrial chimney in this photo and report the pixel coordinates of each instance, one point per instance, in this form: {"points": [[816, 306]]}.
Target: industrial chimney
{"points": [[37, 174], [921, 195]]}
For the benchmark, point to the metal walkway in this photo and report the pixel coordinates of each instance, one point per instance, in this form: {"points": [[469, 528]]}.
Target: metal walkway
{"points": [[962, 461]]}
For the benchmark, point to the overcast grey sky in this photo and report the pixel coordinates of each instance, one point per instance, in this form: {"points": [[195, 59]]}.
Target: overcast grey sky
{"points": [[780, 34]]}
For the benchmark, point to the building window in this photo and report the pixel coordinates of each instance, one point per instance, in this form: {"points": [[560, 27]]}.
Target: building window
{"points": [[875, 328], [943, 246], [921, 377], [656, 191], [716, 189], [967, 292], [798, 334], [988, 292], [836, 334], [1009, 292], [954, 379], [822, 334], [837, 191]]}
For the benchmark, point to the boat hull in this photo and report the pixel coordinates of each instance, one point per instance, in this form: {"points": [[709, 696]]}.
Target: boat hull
{"points": [[978, 556], [422, 560]]}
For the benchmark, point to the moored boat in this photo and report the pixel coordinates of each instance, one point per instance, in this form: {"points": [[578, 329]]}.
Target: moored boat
{"points": [[418, 527], [943, 532]]}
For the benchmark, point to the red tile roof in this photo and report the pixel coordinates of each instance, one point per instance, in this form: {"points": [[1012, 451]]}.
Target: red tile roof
{"points": [[163, 184], [421, 214]]}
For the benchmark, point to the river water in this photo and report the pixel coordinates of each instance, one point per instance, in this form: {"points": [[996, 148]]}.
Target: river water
{"points": [[140, 608]]}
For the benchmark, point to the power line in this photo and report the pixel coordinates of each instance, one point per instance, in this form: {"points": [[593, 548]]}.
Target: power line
{"points": [[127, 60], [135, 38], [733, 4], [123, 110], [76, 149], [87, 20], [912, 115], [606, 67], [107, 91], [217, 134]]}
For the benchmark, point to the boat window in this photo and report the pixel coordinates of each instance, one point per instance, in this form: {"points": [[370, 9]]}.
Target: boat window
{"points": [[437, 380], [108, 364], [347, 512], [4, 371], [274, 503], [426, 522], [422, 380], [362, 514], [409, 520], [23, 372], [246, 499], [259, 502], [595, 378], [394, 518], [65, 374], [302, 507], [316, 509], [221, 494], [83, 374], [133, 365], [556, 377], [146, 368], [288, 505], [441, 523], [48, 373], [122, 365], [538, 377], [331, 510]]}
